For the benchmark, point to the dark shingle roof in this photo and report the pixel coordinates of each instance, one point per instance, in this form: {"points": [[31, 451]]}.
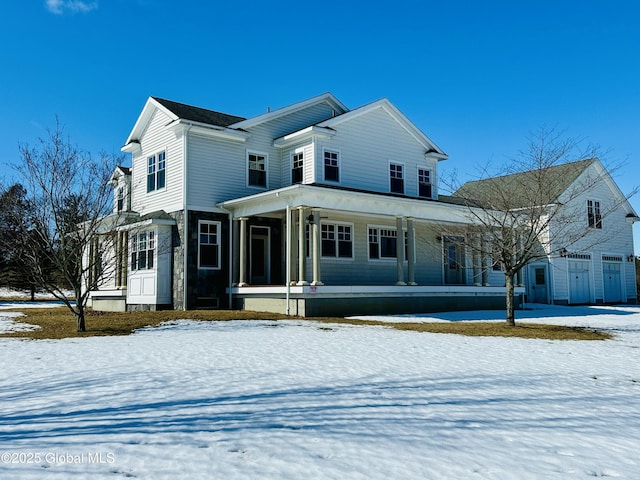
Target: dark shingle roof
{"points": [[519, 190], [200, 115]]}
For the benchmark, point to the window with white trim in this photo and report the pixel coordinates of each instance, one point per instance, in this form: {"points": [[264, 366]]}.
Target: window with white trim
{"points": [[331, 166], [257, 169], [593, 214], [396, 178], [336, 240], [156, 171], [297, 167], [424, 183], [143, 247], [383, 241], [209, 245], [120, 198]]}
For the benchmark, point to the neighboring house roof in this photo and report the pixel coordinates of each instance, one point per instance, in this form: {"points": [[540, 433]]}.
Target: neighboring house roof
{"points": [[197, 114], [535, 187]]}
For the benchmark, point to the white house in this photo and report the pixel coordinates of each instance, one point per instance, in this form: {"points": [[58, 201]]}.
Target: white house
{"points": [[589, 240], [298, 210]]}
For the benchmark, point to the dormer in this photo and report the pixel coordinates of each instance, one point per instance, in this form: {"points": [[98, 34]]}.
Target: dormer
{"points": [[121, 182]]}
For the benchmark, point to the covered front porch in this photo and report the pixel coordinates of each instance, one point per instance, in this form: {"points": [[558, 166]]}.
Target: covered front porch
{"points": [[309, 250]]}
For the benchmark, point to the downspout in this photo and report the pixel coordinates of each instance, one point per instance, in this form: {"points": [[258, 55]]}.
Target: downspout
{"points": [[185, 242]]}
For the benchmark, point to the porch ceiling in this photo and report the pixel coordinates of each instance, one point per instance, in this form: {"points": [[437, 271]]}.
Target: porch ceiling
{"points": [[354, 202]]}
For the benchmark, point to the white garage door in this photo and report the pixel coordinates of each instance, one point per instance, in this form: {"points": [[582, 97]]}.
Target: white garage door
{"points": [[612, 278], [579, 291]]}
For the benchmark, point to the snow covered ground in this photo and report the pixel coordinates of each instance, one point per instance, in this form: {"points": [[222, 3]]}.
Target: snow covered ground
{"points": [[292, 400]]}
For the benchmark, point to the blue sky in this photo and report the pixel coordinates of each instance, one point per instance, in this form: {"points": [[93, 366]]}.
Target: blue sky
{"points": [[475, 76]]}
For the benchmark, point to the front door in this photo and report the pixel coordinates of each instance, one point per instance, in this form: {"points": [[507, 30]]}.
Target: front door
{"points": [[453, 263], [259, 257], [538, 282]]}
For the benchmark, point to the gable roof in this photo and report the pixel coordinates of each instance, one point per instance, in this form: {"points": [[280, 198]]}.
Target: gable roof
{"points": [[516, 190], [430, 147], [197, 114], [327, 98]]}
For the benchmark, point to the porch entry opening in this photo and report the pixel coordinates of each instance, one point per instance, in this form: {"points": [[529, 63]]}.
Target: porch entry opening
{"points": [[453, 261], [538, 277], [259, 257]]}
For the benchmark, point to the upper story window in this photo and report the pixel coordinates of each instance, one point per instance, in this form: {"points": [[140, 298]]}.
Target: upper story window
{"points": [[297, 167], [331, 166], [257, 165], [396, 178], [120, 198], [593, 214], [336, 240], [424, 183], [143, 247], [209, 245], [156, 166]]}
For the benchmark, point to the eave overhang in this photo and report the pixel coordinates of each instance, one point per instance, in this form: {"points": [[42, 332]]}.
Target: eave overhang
{"points": [[181, 125], [302, 135], [353, 202]]}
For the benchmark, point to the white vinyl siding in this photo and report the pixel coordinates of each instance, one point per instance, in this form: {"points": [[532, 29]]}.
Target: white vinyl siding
{"points": [[157, 139], [365, 150]]}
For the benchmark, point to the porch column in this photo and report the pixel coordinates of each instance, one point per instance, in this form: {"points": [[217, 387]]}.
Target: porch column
{"points": [[400, 251], [293, 245], [302, 246], [477, 261], [484, 259], [242, 253], [315, 229], [412, 253], [235, 261]]}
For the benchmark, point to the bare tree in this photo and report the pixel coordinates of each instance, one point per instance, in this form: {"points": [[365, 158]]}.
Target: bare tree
{"points": [[71, 200], [532, 209]]}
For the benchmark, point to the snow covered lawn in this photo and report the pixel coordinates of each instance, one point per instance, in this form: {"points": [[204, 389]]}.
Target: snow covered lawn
{"points": [[291, 400]]}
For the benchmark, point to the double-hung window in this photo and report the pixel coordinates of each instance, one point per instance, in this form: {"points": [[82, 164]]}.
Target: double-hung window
{"points": [[297, 167], [143, 247], [594, 215], [156, 171], [396, 178], [257, 164], [336, 240], [383, 243], [424, 183], [331, 166], [120, 198], [209, 245]]}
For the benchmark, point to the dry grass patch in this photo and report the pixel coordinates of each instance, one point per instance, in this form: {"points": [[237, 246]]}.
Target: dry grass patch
{"points": [[57, 323]]}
